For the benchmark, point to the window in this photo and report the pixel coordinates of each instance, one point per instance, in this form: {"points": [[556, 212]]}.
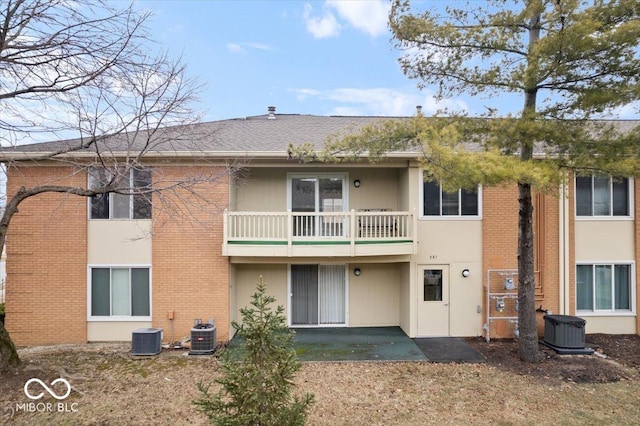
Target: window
{"points": [[121, 292], [318, 193], [432, 291], [602, 196], [437, 202], [121, 206], [603, 288]]}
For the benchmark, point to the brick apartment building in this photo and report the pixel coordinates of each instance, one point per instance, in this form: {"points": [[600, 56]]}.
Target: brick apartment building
{"points": [[348, 244]]}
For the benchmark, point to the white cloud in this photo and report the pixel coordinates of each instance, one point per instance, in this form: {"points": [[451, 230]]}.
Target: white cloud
{"points": [[242, 47], [234, 48], [367, 16], [379, 101], [321, 27]]}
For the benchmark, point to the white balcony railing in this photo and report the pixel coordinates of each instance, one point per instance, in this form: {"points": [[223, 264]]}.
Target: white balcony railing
{"points": [[324, 228]]}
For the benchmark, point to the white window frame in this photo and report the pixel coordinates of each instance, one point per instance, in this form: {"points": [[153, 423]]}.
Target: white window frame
{"points": [[112, 202], [323, 175], [118, 318], [608, 312], [610, 217], [422, 216]]}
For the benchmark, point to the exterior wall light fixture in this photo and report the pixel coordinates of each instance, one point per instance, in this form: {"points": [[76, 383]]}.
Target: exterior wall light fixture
{"points": [[465, 273], [356, 183], [357, 272]]}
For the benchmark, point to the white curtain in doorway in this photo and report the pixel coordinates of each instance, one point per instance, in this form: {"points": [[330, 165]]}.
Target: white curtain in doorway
{"points": [[331, 283]]}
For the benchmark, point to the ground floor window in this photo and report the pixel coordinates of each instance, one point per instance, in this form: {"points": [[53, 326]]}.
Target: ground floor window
{"points": [[603, 287], [318, 295], [120, 292]]}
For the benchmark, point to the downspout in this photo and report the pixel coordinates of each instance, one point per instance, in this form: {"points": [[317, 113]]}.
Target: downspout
{"points": [[563, 291]]}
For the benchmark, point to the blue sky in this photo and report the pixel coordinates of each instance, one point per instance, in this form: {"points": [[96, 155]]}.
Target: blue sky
{"points": [[332, 57], [316, 57]]}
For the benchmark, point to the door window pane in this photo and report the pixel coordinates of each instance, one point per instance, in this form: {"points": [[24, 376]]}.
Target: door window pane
{"points": [[432, 285], [331, 287], [331, 200], [303, 199], [304, 288]]}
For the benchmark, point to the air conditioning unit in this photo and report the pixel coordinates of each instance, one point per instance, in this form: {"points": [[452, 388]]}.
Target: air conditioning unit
{"points": [[146, 341], [203, 339]]}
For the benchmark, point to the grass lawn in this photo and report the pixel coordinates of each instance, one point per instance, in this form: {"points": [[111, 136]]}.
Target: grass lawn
{"points": [[111, 387]]}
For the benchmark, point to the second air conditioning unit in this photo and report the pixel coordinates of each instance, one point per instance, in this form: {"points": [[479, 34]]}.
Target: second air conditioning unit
{"points": [[203, 339]]}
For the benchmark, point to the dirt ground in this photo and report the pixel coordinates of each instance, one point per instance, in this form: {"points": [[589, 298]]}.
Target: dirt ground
{"points": [[617, 357], [111, 387]]}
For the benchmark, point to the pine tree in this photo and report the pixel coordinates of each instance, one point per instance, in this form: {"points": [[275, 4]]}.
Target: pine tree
{"points": [[257, 377]]}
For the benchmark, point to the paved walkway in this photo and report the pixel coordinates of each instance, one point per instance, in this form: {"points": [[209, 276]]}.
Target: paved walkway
{"points": [[378, 344]]}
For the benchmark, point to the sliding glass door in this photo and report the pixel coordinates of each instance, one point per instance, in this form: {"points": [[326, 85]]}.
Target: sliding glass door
{"points": [[314, 194], [318, 295]]}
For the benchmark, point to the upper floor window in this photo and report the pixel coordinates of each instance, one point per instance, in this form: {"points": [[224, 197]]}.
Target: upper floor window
{"points": [[135, 205], [605, 287], [602, 196], [437, 202]]}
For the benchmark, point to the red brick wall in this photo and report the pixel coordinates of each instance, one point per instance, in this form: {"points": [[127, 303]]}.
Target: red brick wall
{"points": [[190, 275], [47, 260]]}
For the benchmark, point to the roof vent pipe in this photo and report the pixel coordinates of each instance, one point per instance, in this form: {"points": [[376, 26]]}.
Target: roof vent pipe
{"points": [[272, 112]]}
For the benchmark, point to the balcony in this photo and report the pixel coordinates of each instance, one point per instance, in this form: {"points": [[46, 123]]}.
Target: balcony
{"points": [[313, 234]]}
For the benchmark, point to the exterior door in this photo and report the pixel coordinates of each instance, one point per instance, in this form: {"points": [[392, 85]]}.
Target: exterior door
{"points": [[318, 295], [433, 300], [318, 194]]}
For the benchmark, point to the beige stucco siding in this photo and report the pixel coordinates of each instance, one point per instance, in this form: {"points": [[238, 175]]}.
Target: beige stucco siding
{"points": [[262, 190], [610, 324], [378, 189], [600, 240], [246, 277], [458, 244], [265, 189], [404, 317], [119, 242], [116, 331], [446, 241], [374, 296], [465, 316]]}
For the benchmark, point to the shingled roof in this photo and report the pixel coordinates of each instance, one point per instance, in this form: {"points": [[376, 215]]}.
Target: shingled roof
{"points": [[234, 137], [267, 135]]}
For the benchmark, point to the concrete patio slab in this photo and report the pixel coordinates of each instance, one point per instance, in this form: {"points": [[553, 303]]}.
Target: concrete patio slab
{"points": [[337, 344], [356, 344]]}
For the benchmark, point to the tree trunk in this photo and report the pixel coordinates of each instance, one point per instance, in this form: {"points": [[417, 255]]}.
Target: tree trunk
{"points": [[8, 354], [528, 333]]}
